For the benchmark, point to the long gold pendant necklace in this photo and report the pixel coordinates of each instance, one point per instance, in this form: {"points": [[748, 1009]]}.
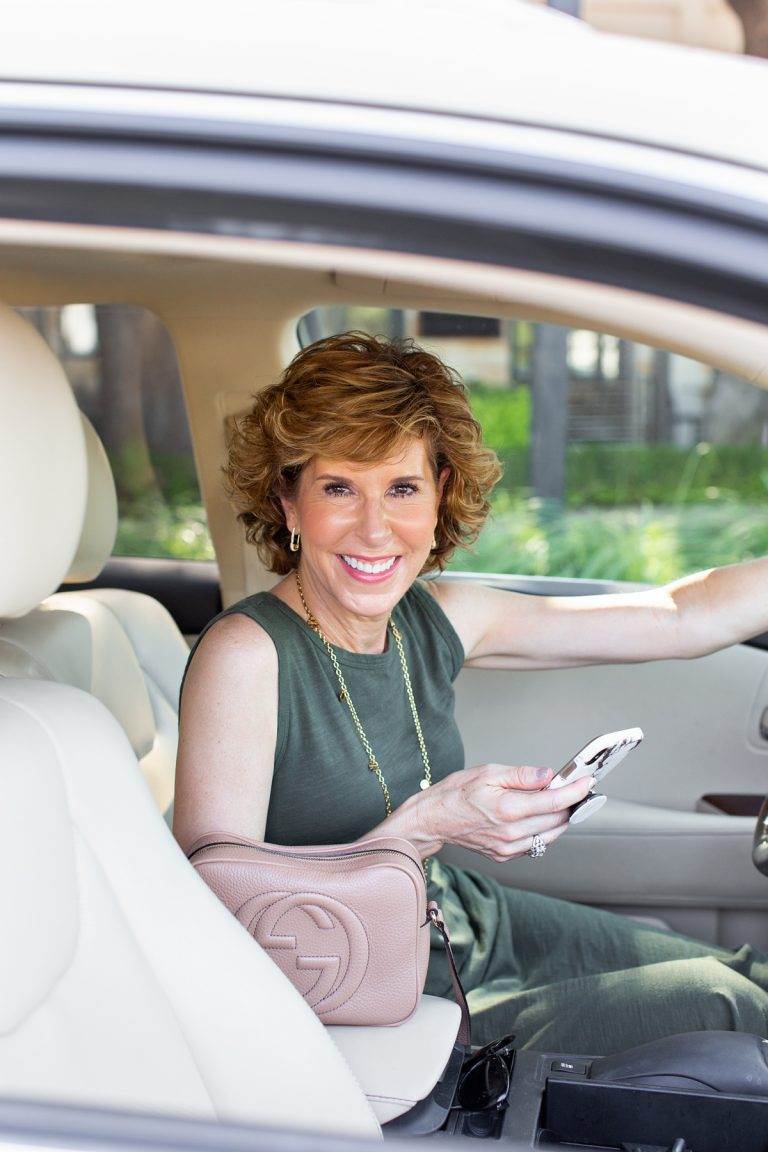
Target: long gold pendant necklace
{"points": [[373, 763]]}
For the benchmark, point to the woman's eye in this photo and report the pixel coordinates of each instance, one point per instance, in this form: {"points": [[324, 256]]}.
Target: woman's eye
{"points": [[397, 490]]}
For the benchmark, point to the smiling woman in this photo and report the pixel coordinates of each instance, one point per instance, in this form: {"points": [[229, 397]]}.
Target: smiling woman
{"points": [[304, 707]]}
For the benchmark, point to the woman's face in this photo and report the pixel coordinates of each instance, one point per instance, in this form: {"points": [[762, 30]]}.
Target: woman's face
{"points": [[366, 530]]}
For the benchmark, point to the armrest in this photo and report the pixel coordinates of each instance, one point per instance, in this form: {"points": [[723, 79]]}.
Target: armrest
{"points": [[630, 853], [396, 1067]]}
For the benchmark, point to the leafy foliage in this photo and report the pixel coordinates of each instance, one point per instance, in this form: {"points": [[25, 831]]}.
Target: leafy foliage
{"points": [[638, 512], [645, 544]]}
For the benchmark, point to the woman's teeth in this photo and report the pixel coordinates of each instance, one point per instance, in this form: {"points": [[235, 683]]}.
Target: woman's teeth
{"points": [[361, 565]]}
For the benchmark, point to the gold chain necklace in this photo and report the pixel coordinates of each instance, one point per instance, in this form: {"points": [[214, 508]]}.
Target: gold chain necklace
{"points": [[373, 763]]}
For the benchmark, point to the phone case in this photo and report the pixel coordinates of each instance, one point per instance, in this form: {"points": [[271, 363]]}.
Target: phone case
{"points": [[599, 757], [596, 759]]}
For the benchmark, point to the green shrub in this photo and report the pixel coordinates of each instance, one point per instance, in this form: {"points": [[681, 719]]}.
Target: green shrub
{"points": [[504, 415], [611, 475], [639, 512], [152, 528], [643, 544]]}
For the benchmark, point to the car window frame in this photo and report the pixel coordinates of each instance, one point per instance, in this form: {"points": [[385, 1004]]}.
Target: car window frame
{"points": [[701, 243]]}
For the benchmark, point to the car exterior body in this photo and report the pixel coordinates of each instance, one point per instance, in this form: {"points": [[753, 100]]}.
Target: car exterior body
{"points": [[233, 170]]}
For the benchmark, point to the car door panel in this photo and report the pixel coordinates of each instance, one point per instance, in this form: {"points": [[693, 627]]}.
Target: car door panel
{"points": [[650, 849], [693, 870]]}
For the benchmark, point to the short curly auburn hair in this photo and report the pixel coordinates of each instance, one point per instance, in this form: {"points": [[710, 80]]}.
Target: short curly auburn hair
{"points": [[356, 397]]}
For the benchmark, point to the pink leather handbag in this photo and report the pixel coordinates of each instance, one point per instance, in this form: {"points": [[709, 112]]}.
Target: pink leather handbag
{"points": [[348, 924]]}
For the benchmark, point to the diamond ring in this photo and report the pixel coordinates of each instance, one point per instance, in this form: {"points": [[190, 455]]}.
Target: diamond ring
{"points": [[538, 848]]}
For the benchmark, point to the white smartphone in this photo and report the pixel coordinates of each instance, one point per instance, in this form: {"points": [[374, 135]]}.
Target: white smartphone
{"points": [[597, 759]]}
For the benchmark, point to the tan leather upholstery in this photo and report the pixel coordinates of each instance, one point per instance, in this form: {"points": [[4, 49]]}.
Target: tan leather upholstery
{"points": [[397, 1067], [41, 437], [77, 638], [99, 529], [110, 993], [148, 653], [128, 983], [122, 647]]}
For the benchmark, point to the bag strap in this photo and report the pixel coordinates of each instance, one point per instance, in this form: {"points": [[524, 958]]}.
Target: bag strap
{"points": [[464, 1035]]}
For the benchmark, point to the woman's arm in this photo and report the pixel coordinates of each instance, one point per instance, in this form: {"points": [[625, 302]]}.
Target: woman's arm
{"points": [[689, 617], [227, 733]]}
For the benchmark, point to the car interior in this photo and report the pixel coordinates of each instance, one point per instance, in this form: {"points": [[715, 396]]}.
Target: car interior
{"points": [[129, 986]]}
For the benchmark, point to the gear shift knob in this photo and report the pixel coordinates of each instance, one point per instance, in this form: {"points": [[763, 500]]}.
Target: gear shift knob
{"points": [[760, 844]]}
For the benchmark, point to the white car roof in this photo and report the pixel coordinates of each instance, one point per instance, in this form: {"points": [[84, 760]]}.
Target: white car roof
{"points": [[501, 59]]}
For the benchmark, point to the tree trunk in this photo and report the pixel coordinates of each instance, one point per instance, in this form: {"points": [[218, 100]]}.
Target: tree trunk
{"points": [[121, 423], [549, 416], [165, 420], [660, 430]]}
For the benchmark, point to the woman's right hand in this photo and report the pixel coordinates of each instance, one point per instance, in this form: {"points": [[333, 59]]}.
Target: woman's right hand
{"points": [[497, 809]]}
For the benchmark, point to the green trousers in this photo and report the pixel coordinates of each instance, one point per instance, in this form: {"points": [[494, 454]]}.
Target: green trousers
{"points": [[567, 978]]}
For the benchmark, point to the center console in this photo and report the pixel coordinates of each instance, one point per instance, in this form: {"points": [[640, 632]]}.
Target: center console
{"points": [[702, 1091]]}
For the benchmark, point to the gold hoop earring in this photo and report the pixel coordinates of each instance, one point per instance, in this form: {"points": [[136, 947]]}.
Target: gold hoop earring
{"points": [[295, 540]]}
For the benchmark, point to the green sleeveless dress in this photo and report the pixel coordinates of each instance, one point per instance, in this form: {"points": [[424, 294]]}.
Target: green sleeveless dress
{"points": [[562, 976]]}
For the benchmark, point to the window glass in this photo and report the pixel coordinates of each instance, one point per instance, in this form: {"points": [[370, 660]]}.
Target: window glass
{"points": [[122, 367], [621, 461]]}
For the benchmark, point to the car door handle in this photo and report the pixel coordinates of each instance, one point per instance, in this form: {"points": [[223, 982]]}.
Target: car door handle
{"points": [[764, 723]]}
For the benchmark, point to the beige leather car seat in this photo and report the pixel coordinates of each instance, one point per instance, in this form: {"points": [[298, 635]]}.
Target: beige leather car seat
{"points": [[128, 983], [122, 647]]}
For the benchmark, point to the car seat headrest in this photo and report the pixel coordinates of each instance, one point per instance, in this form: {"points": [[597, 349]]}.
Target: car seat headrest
{"points": [[100, 523], [43, 469]]}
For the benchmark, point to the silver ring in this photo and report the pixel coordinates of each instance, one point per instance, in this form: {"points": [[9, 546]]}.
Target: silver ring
{"points": [[538, 848]]}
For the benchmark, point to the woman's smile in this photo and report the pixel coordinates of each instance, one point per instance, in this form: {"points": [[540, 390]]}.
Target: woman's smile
{"points": [[367, 569]]}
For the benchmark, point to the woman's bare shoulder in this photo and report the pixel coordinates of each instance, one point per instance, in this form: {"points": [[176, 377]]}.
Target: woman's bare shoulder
{"points": [[235, 656], [461, 601], [235, 639], [452, 596]]}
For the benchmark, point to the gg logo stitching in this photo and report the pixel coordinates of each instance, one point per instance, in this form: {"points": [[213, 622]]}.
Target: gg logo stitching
{"points": [[318, 942]]}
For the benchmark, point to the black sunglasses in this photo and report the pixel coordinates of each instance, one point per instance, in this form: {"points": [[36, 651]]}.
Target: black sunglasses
{"points": [[485, 1077]]}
